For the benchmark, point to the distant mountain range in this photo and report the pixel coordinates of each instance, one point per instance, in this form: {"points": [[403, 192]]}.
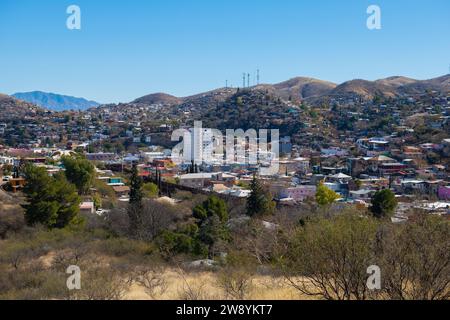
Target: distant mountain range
{"points": [[55, 102], [314, 90]]}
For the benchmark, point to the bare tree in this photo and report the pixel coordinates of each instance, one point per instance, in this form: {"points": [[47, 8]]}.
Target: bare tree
{"points": [[191, 290], [11, 220], [152, 279], [101, 283], [117, 220], [256, 240], [156, 216], [16, 254], [237, 283], [328, 258], [72, 256], [415, 259]]}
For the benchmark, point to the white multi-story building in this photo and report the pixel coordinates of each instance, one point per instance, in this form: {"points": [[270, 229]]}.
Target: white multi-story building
{"points": [[208, 146], [199, 146]]}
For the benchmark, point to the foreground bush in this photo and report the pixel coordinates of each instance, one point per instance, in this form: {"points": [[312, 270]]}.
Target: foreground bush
{"points": [[329, 258]]}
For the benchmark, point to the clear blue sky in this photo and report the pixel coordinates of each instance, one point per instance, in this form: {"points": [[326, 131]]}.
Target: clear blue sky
{"points": [[127, 49]]}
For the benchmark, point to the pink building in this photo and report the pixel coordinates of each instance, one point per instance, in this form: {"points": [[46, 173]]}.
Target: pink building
{"points": [[444, 193], [298, 193]]}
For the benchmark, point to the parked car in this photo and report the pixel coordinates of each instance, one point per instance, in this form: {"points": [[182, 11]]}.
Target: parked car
{"points": [[101, 212]]}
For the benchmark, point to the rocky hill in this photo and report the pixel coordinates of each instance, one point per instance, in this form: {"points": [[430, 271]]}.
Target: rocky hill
{"points": [[12, 108], [158, 98], [303, 88], [440, 84], [312, 90]]}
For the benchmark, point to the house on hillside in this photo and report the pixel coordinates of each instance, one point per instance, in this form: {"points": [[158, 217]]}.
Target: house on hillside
{"points": [[122, 191], [87, 207]]}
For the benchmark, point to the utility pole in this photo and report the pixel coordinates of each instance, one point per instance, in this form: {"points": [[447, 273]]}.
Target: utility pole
{"points": [[243, 80], [257, 77], [248, 80]]}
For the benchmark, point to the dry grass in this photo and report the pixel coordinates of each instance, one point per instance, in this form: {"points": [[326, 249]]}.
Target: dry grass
{"points": [[205, 285]]}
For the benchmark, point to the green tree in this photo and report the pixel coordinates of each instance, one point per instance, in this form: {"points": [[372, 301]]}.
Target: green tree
{"points": [[97, 201], [52, 201], [104, 190], [213, 206], [80, 172], [259, 202], [184, 240], [325, 196], [135, 205], [211, 216], [376, 99], [150, 190], [136, 185], [7, 169], [384, 204], [213, 231]]}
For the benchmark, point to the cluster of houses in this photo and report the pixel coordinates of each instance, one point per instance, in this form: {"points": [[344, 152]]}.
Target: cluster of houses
{"points": [[354, 178], [354, 163]]}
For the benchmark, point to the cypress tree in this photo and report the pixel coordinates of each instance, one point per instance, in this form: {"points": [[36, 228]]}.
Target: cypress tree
{"points": [[136, 187], [135, 205], [257, 202]]}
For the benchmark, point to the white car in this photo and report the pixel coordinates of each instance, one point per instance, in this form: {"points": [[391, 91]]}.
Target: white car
{"points": [[101, 212], [6, 178]]}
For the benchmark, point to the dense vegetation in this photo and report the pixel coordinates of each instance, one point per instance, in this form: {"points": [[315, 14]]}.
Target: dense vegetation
{"points": [[320, 251]]}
